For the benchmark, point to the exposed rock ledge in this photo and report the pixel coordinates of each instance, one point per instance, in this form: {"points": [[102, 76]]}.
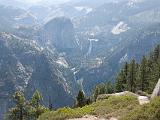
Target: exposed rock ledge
{"points": [[142, 99], [106, 96]]}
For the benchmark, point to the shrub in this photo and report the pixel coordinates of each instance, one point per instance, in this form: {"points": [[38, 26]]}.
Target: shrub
{"points": [[113, 106], [64, 113], [146, 112]]}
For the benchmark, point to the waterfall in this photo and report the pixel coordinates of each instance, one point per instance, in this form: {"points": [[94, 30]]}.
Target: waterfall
{"points": [[90, 47]]}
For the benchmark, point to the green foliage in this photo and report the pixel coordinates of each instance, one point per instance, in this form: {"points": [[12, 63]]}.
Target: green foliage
{"points": [[26, 110], [114, 106], [19, 98], [121, 83], [143, 83], [64, 113], [19, 111], [107, 88], [35, 101], [146, 112], [99, 89], [81, 100], [132, 76], [144, 76], [38, 109]]}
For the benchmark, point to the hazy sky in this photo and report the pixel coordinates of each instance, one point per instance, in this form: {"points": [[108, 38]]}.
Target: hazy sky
{"points": [[37, 1]]}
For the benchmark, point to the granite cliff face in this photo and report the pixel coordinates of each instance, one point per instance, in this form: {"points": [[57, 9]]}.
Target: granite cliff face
{"points": [[59, 32], [26, 66]]}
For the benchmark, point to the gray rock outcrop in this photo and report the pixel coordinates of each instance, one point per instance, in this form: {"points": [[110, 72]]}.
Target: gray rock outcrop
{"points": [[125, 93], [156, 91]]}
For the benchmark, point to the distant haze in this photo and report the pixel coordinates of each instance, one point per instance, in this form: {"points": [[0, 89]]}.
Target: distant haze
{"points": [[28, 3], [38, 1], [31, 2]]}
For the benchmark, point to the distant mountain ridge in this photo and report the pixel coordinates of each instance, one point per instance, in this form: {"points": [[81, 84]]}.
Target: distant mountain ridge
{"points": [[84, 45]]}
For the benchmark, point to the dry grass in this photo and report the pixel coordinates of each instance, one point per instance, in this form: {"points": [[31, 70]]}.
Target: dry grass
{"points": [[114, 106]]}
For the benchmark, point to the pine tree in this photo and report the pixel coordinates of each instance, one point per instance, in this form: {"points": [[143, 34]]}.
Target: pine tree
{"points": [[19, 111], [141, 76], [126, 73], [26, 110], [122, 79], [95, 93], [132, 76], [156, 53], [36, 99], [143, 79], [102, 89], [150, 77], [50, 104], [99, 89], [109, 88], [36, 104], [120, 82], [81, 99]]}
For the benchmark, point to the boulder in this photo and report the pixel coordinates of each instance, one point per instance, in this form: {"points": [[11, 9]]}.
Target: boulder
{"points": [[143, 100]]}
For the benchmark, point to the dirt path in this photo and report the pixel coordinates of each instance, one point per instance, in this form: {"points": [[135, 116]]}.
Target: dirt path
{"points": [[89, 117]]}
